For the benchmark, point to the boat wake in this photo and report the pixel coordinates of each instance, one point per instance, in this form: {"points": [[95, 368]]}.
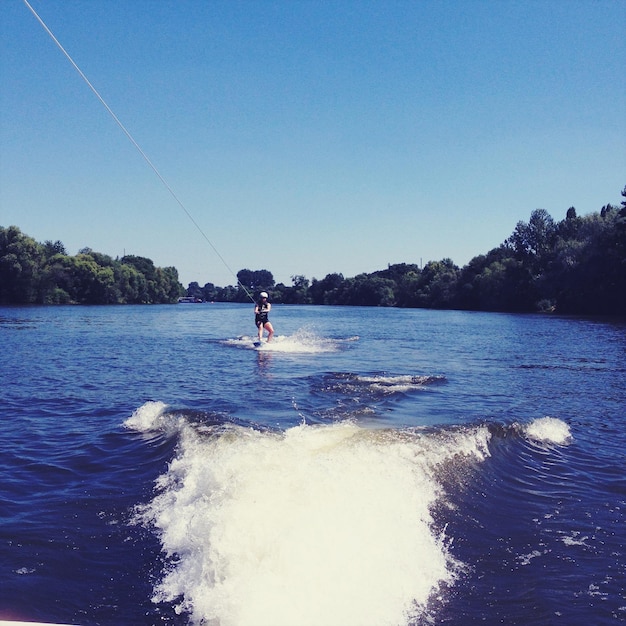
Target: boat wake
{"points": [[316, 524], [383, 384]]}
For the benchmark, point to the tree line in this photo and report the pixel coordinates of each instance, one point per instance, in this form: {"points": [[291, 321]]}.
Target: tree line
{"points": [[36, 273], [573, 266]]}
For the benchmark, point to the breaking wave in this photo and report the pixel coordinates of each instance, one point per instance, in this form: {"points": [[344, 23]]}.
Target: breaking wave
{"points": [[313, 525]]}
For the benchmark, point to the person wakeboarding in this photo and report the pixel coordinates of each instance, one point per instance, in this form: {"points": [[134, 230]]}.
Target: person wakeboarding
{"points": [[261, 312]]}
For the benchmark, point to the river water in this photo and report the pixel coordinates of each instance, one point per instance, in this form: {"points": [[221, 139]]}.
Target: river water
{"points": [[370, 467]]}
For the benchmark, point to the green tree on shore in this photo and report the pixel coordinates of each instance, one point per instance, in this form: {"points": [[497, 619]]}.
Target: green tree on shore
{"points": [[574, 266], [34, 273]]}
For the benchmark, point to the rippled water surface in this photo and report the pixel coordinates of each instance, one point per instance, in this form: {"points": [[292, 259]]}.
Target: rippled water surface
{"points": [[370, 467]]}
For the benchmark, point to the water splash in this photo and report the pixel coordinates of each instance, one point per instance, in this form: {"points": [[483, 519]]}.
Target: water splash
{"points": [[549, 430], [314, 525], [303, 341]]}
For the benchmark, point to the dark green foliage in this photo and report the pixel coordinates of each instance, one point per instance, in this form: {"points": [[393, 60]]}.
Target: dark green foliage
{"points": [[325, 291], [367, 290], [34, 273], [299, 291], [436, 285], [575, 266], [257, 280], [21, 259], [591, 265]]}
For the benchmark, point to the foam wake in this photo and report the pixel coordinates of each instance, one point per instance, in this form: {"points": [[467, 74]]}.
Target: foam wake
{"points": [[301, 342], [550, 430], [314, 525], [382, 384]]}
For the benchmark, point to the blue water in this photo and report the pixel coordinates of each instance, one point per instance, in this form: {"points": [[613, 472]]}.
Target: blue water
{"points": [[371, 467]]}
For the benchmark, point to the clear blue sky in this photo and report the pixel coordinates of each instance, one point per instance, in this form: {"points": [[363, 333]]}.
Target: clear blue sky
{"points": [[308, 137]]}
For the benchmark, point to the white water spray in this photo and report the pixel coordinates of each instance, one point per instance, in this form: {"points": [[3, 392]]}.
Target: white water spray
{"points": [[323, 525]]}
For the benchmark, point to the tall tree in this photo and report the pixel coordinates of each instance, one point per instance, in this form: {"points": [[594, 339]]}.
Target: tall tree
{"points": [[534, 240], [21, 258]]}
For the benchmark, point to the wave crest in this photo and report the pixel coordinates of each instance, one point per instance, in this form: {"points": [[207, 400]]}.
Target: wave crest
{"points": [[314, 525], [549, 430]]}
